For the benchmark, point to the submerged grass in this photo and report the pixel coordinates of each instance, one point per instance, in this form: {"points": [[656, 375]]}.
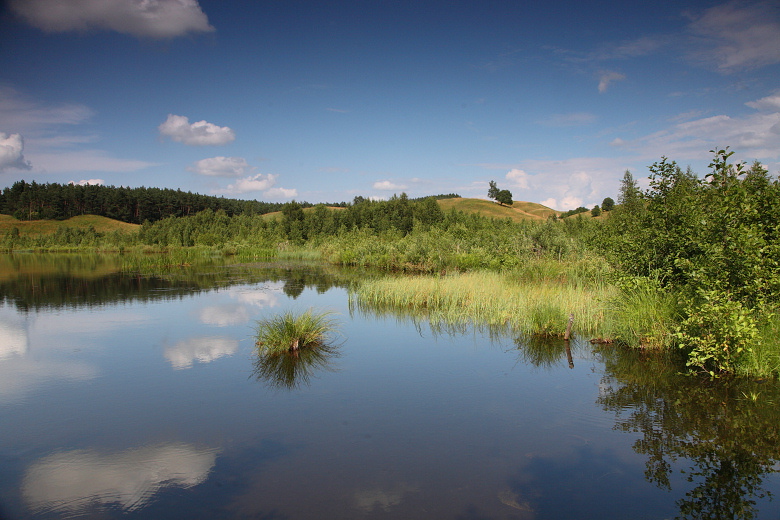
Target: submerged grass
{"points": [[290, 332], [539, 307]]}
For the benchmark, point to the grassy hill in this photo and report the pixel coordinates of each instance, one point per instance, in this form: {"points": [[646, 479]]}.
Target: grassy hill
{"points": [[45, 227], [517, 211]]}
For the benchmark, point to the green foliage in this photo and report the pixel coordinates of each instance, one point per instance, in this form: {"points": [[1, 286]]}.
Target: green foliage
{"points": [[714, 242], [596, 211], [717, 332], [288, 331], [504, 197], [571, 212], [492, 191], [608, 204]]}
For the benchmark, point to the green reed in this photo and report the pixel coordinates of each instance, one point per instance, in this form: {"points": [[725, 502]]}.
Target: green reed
{"points": [[491, 298]]}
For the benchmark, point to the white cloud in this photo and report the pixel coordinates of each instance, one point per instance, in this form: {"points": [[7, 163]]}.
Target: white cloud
{"points": [[769, 103], [268, 297], [755, 136], [200, 133], [145, 18], [89, 182], [22, 114], [737, 36], [203, 350], [281, 193], [259, 182], [518, 178], [221, 167], [607, 77], [11, 152], [388, 186], [71, 481]]}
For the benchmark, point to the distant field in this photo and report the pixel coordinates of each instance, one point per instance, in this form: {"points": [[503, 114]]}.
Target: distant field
{"points": [[517, 211], [45, 227]]}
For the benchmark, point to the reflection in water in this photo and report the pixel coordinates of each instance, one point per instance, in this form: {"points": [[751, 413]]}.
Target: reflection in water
{"points": [[382, 499], [73, 480], [726, 431], [203, 350], [40, 281], [224, 315], [13, 337], [19, 375], [294, 369]]}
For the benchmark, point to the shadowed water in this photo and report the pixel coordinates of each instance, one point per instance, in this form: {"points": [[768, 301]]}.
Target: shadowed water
{"points": [[125, 395]]}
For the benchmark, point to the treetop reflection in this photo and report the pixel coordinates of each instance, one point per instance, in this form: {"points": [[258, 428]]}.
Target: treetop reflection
{"points": [[726, 431]]}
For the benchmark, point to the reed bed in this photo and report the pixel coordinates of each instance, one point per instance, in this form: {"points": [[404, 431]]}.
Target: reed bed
{"points": [[540, 307], [290, 332]]}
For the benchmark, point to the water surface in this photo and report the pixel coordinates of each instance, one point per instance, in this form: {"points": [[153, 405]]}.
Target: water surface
{"points": [[134, 396]]}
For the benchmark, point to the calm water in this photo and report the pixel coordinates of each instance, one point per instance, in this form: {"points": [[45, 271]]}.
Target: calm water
{"points": [[142, 397]]}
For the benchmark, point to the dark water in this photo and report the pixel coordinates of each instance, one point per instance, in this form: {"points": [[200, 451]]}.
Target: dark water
{"points": [[129, 396]]}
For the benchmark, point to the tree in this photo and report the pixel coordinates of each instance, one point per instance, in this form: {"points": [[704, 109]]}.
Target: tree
{"points": [[504, 197], [596, 211], [607, 204], [493, 191]]}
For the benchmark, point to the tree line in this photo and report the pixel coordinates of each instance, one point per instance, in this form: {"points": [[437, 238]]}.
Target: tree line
{"points": [[35, 201]]}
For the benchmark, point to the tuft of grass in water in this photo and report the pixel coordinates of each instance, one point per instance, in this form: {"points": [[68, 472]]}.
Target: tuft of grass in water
{"points": [[290, 332], [539, 307]]}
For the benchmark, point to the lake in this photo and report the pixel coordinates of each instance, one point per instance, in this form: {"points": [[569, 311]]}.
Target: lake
{"points": [[129, 395]]}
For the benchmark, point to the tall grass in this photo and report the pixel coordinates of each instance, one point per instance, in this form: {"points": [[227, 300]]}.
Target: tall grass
{"points": [[540, 307], [643, 315], [290, 332]]}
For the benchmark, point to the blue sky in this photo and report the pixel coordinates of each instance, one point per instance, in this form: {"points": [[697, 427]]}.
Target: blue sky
{"points": [[323, 101]]}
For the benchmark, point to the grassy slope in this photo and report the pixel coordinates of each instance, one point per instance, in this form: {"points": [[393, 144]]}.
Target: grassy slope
{"points": [[44, 227], [517, 211]]}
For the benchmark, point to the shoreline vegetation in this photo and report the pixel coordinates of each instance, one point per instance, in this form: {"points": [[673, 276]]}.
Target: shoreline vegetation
{"points": [[690, 264]]}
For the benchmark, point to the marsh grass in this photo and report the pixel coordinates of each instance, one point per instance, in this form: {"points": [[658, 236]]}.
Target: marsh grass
{"points": [[643, 316], [291, 332], [539, 307]]}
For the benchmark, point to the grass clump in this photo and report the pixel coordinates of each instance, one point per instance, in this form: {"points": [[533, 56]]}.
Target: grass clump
{"points": [[291, 332]]}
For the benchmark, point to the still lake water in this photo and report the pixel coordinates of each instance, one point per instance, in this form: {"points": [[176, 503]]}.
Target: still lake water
{"points": [[128, 396]]}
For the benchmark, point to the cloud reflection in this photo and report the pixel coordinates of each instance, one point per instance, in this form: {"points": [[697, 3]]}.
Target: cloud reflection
{"points": [[203, 350], [224, 315], [72, 480], [13, 339]]}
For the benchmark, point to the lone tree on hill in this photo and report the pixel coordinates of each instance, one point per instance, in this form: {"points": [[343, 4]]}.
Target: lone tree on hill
{"points": [[607, 204], [504, 197], [501, 196]]}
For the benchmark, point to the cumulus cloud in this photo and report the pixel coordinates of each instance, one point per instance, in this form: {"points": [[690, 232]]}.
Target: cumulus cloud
{"points": [[221, 167], [200, 133], [388, 186], [607, 77], [518, 178], [259, 182], [769, 103], [89, 182], [737, 36], [140, 18], [281, 193], [11, 156]]}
